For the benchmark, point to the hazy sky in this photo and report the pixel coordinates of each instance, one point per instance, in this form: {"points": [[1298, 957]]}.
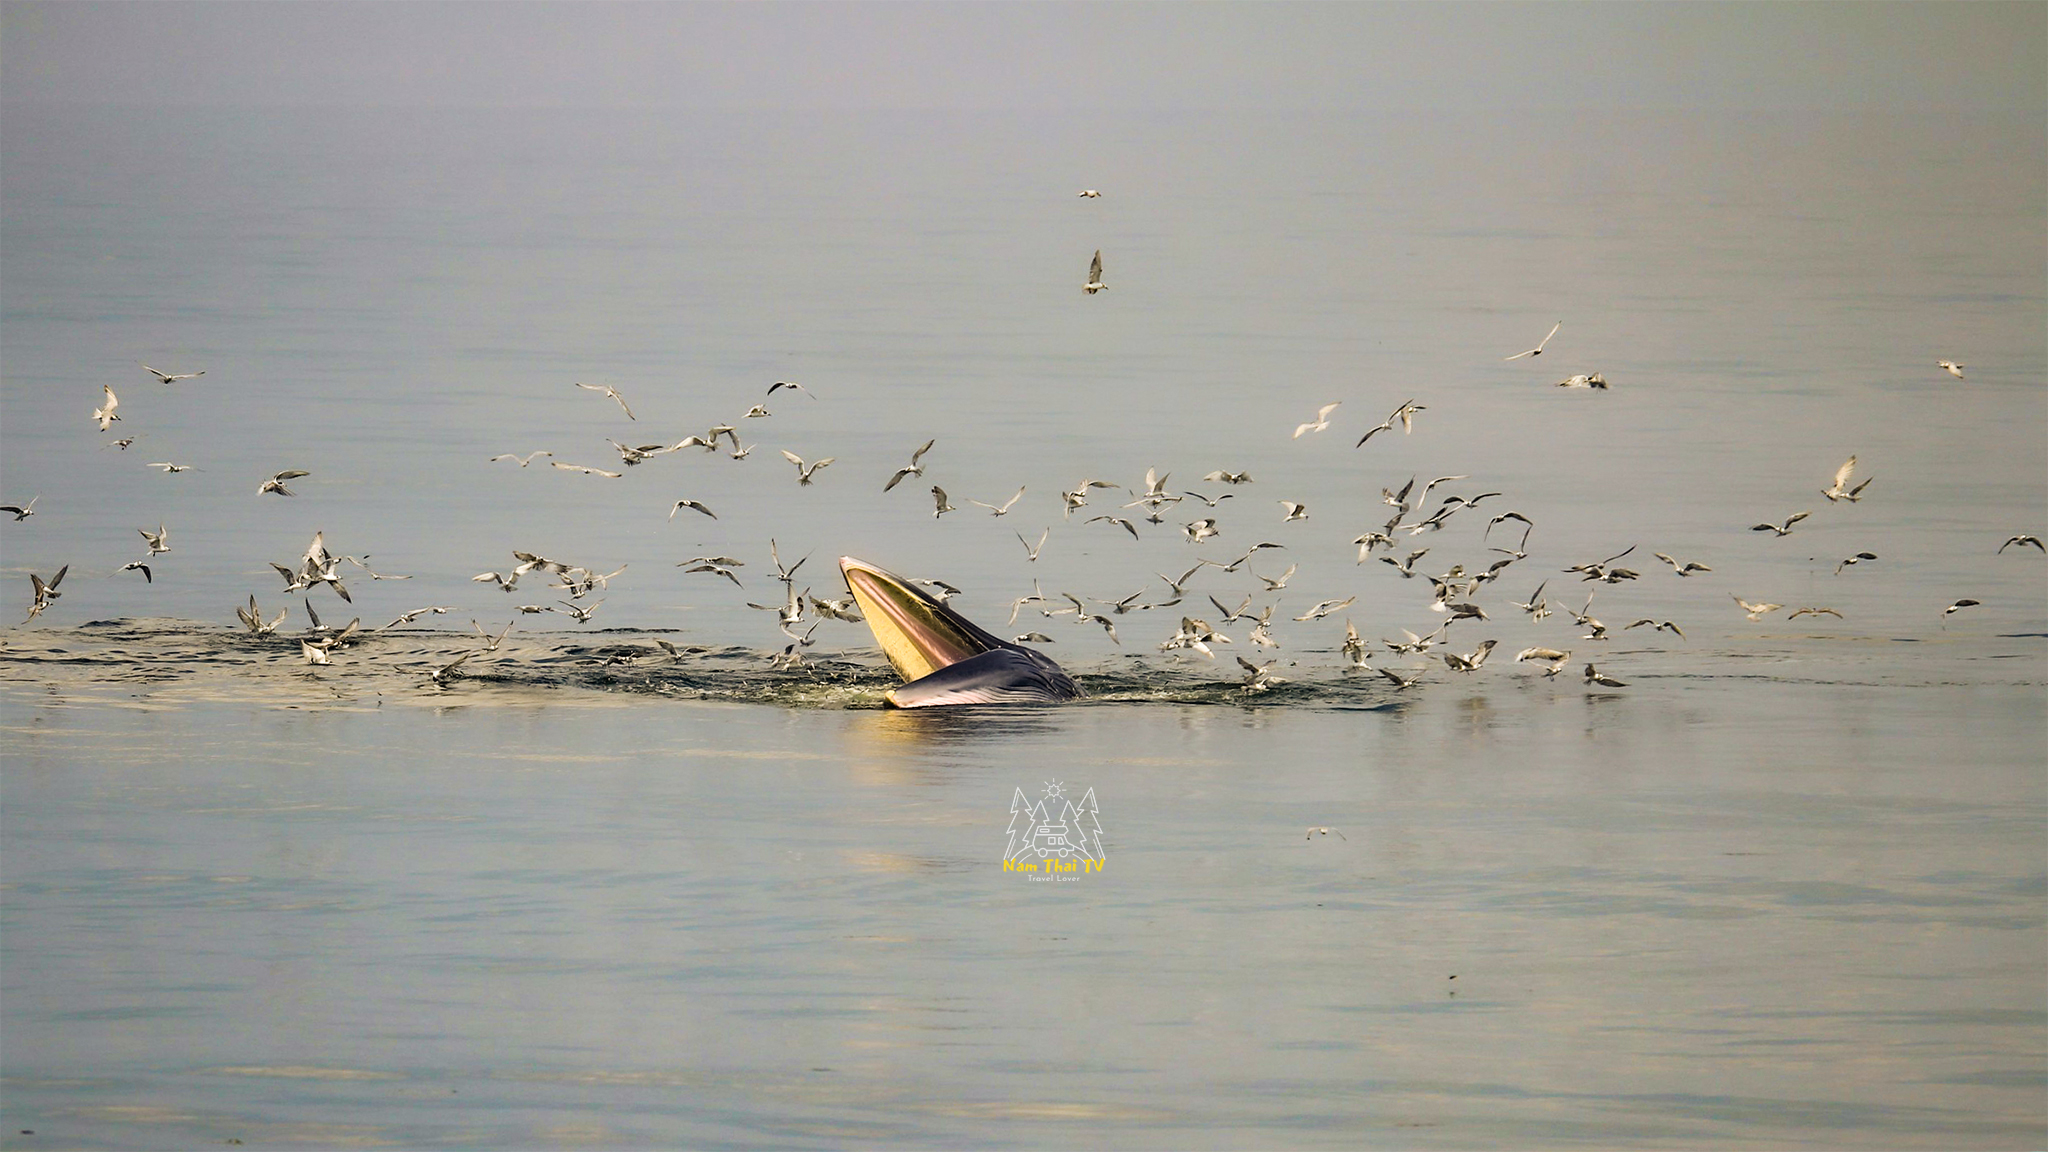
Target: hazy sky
{"points": [[1031, 55]]}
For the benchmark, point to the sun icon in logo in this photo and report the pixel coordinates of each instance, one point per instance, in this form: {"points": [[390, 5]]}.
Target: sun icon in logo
{"points": [[1054, 790]]}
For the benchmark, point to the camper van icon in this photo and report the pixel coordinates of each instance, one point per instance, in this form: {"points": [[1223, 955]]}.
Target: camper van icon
{"points": [[1054, 827]]}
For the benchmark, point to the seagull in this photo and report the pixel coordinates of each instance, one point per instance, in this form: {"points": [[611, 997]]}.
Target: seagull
{"points": [[1005, 506], [1276, 584], [693, 505], [1201, 530], [1814, 612], [252, 618], [523, 460], [1945, 612], [106, 414], [1416, 645], [1951, 367], [582, 615], [791, 384], [1757, 611], [916, 468], [1538, 349], [1314, 832], [1229, 477], [409, 617], [137, 566], [158, 540], [1321, 421], [1556, 658], [122, 443], [715, 569], [1400, 682], [1472, 662], [1405, 414], [1031, 550], [1595, 676], [1784, 529], [2022, 541], [1258, 677], [1858, 558], [587, 470], [1664, 626], [46, 592], [1090, 194], [440, 676], [940, 505], [169, 467], [756, 412], [1355, 651], [1406, 567], [504, 583], [1261, 633], [1095, 283], [168, 377], [276, 483], [1839, 490], [1120, 522], [1325, 608], [1585, 380], [630, 455], [1239, 613], [1686, 569], [313, 653], [1206, 501], [804, 471], [1234, 565], [363, 562], [24, 511], [611, 392], [1294, 511]]}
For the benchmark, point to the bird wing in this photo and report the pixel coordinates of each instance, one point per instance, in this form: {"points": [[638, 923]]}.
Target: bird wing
{"points": [[1842, 473], [1095, 268]]}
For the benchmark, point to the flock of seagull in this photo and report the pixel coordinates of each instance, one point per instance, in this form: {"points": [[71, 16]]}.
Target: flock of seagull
{"points": [[1454, 592]]}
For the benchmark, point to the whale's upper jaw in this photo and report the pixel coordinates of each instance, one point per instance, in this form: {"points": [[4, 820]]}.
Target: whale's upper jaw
{"points": [[943, 657], [918, 634]]}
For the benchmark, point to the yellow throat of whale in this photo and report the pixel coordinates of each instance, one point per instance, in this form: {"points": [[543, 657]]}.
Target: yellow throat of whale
{"points": [[917, 637]]}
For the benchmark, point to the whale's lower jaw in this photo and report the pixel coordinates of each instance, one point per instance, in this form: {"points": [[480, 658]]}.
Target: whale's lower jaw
{"points": [[998, 676]]}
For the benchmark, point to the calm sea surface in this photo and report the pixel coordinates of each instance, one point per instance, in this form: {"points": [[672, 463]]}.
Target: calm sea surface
{"points": [[1784, 887]]}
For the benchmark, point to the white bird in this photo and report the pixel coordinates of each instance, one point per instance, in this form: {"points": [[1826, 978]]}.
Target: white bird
{"points": [[168, 377], [1006, 505], [1685, 569], [756, 412], [1095, 283], [582, 615], [1224, 477], [940, 505], [523, 460], [1595, 676], [276, 483], [1031, 550], [611, 392], [159, 541], [1945, 612], [169, 467], [313, 653], [1840, 489], [1400, 681], [2022, 540], [1201, 530], [791, 384], [915, 468], [1294, 511], [252, 618], [1314, 832], [1585, 380], [1090, 194], [1321, 421], [1784, 529], [804, 471], [24, 511], [1538, 349], [1470, 663], [1325, 608], [1757, 611], [137, 566], [1951, 367], [586, 469], [694, 506], [106, 414], [1120, 522]]}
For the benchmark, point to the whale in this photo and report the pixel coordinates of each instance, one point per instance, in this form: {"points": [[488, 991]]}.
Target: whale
{"points": [[944, 658]]}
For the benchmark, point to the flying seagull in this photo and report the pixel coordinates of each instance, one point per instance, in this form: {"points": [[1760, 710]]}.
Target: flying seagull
{"points": [[611, 392], [1095, 283], [1538, 349], [167, 377]]}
